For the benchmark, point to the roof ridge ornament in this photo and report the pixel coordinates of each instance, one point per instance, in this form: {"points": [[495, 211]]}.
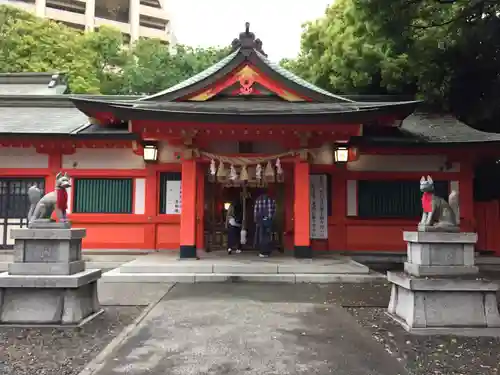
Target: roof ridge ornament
{"points": [[247, 42]]}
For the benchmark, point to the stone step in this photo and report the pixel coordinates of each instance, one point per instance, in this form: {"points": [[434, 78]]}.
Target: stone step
{"points": [[257, 268], [193, 277], [105, 265], [243, 264]]}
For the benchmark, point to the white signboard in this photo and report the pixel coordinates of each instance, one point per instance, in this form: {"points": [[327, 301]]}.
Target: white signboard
{"points": [[173, 198], [318, 211]]}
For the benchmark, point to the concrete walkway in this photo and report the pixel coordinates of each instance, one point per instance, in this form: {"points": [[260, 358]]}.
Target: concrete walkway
{"points": [[248, 329], [218, 266]]}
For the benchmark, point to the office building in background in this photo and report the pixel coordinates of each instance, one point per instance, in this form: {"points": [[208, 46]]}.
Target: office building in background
{"points": [[134, 18]]}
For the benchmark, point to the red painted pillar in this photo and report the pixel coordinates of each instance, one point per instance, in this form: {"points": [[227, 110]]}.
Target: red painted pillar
{"points": [[466, 197], [302, 237], [289, 207], [200, 207], [337, 235], [152, 206], [188, 213], [55, 166]]}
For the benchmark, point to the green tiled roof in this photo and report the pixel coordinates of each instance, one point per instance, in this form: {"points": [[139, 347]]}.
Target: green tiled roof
{"points": [[444, 128]]}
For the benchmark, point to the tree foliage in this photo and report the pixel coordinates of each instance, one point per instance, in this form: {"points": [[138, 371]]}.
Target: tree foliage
{"points": [[447, 54], [153, 67], [96, 62]]}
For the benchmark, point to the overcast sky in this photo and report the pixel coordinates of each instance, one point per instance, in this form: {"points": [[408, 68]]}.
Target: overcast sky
{"points": [[217, 22]]}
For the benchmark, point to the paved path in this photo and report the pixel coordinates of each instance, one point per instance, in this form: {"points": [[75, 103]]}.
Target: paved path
{"points": [[249, 329]]}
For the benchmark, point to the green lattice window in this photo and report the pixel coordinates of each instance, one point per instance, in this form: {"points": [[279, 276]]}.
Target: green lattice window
{"points": [[393, 199], [103, 195]]}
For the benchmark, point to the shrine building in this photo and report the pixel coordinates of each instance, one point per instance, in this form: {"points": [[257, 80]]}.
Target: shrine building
{"points": [[157, 172]]}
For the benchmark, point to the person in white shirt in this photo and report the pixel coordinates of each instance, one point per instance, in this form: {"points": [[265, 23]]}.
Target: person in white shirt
{"points": [[233, 224]]}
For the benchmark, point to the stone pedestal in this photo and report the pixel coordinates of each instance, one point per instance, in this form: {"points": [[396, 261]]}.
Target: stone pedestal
{"points": [[48, 283], [440, 254], [439, 292]]}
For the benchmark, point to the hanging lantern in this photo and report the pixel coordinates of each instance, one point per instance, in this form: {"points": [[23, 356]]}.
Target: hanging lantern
{"points": [[233, 175], [221, 173], [280, 177], [213, 171], [269, 173], [244, 173], [341, 154]]}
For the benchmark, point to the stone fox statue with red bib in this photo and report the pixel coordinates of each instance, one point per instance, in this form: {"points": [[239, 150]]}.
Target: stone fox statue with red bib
{"points": [[438, 215], [41, 208]]}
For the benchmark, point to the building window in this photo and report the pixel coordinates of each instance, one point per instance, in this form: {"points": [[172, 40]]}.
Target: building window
{"points": [[103, 195], [14, 203], [117, 10], [171, 193], [393, 199]]}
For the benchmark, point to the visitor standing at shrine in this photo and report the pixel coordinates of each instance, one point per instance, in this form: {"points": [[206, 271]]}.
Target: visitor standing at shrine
{"points": [[234, 218], [264, 211]]}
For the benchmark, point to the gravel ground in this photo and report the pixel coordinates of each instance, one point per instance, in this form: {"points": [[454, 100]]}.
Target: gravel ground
{"points": [[436, 355], [422, 355], [47, 351]]}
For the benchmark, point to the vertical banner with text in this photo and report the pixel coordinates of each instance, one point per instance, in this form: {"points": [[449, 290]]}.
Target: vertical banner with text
{"points": [[318, 184]]}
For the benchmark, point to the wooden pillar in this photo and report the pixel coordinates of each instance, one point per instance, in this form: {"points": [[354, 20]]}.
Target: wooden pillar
{"points": [[466, 197], [55, 166], [337, 237], [302, 240], [188, 213], [151, 207], [200, 207]]}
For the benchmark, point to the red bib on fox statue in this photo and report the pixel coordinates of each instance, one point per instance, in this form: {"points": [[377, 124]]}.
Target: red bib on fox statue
{"points": [[62, 199], [427, 201]]}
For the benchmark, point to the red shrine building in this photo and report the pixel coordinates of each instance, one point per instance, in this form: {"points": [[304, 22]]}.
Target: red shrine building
{"points": [[157, 172]]}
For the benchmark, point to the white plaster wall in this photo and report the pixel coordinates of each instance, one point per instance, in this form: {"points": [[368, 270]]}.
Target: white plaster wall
{"points": [[22, 158], [402, 163], [167, 153], [96, 158], [352, 198], [140, 196], [324, 155]]}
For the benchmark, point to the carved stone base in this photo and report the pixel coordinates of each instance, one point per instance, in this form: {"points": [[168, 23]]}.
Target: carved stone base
{"points": [[439, 228], [50, 300], [49, 224], [40, 268], [44, 251], [442, 305], [438, 253], [424, 271]]}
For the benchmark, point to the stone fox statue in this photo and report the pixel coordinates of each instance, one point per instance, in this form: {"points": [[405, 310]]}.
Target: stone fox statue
{"points": [[42, 207], [438, 214]]}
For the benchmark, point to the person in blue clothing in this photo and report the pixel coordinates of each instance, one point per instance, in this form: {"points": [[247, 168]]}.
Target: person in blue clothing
{"points": [[264, 212]]}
